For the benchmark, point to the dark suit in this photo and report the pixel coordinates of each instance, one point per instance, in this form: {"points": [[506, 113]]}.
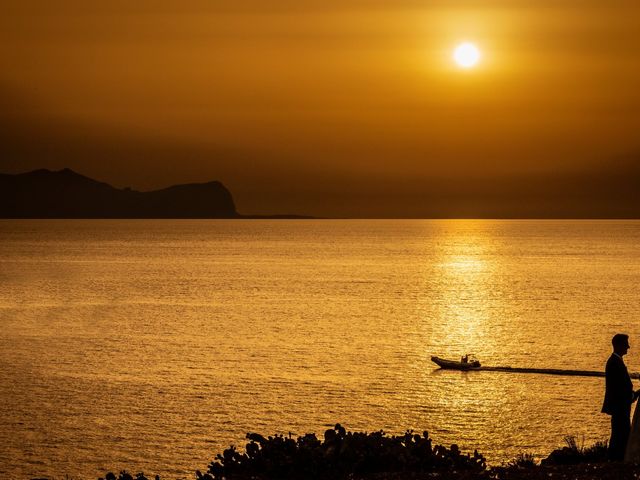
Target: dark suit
{"points": [[618, 398]]}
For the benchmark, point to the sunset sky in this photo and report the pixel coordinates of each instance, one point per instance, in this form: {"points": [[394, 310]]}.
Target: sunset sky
{"points": [[327, 107]]}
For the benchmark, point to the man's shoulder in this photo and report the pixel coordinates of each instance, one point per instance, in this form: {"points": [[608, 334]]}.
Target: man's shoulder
{"points": [[616, 367], [614, 361]]}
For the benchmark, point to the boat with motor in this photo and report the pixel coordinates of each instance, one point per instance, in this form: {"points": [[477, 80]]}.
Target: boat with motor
{"points": [[467, 362], [470, 363]]}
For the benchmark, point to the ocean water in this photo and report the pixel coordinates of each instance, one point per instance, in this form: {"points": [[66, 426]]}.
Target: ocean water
{"points": [[153, 345]]}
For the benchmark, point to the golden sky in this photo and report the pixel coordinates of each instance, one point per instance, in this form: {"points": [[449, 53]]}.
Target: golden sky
{"points": [[350, 107]]}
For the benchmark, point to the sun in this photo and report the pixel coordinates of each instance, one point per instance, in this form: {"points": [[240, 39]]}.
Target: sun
{"points": [[466, 55]]}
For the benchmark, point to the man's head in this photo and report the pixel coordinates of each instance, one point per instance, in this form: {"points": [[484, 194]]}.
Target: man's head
{"points": [[620, 343]]}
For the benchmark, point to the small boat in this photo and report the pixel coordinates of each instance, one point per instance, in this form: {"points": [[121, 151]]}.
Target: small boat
{"points": [[464, 364]]}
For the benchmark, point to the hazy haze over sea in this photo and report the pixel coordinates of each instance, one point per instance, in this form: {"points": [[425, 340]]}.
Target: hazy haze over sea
{"points": [[153, 345]]}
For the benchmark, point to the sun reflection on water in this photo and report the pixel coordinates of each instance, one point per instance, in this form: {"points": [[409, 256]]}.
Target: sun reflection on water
{"points": [[465, 293]]}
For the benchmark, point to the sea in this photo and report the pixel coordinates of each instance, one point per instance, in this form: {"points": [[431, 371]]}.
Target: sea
{"points": [[152, 345]]}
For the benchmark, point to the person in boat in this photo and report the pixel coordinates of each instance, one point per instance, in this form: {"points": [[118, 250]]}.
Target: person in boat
{"points": [[473, 361], [618, 397]]}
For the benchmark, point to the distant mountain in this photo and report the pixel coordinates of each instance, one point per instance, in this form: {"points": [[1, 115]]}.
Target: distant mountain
{"points": [[67, 194]]}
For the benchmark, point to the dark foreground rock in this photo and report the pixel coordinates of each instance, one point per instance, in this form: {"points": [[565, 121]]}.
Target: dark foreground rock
{"points": [[602, 471], [587, 471]]}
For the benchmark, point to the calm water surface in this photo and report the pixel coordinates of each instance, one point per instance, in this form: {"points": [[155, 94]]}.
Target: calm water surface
{"points": [[153, 345]]}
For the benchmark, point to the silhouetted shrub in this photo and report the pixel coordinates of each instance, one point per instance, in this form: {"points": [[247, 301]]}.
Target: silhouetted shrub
{"points": [[524, 460], [124, 475], [341, 454], [573, 454]]}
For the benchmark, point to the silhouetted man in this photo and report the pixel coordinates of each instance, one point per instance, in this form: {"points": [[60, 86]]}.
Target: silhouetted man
{"points": [[618, 397]]}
